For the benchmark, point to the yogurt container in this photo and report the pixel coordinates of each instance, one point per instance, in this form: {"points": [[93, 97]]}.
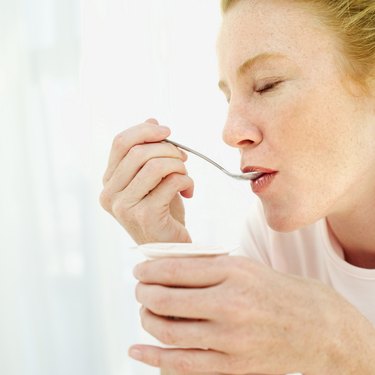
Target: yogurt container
{"points": [[175, 249]]}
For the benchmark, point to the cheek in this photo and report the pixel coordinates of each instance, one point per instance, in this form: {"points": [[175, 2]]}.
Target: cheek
{"points": [[309, 140], [306, 130]]}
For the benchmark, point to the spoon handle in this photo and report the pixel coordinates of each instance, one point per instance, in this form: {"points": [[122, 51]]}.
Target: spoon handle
{"points": [[198, 154]]}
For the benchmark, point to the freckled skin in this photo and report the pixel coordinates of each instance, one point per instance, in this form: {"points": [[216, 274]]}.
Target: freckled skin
{"points": [[311, 128]]}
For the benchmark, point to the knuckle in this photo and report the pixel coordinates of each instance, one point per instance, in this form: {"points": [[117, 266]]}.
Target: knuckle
{"points": [[231, 261], [245, 265], [238, 308], [222, 263], [136, 151], [105, 200], [172, 169], [236, 342], [173, 150], [119, 141], [171, 269], [167, 336], [243, 296], [155, 164], [235, 267], [124, 213], [105, 178], [228, 311], [159, 303], [181, 168], [143, 318], [138, 294], [183, 363], [119, 209], [224, 343], [175, 180], [144, 321]]}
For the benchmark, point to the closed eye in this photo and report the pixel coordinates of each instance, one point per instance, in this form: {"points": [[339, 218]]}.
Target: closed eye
{"points": [[268, 87]]}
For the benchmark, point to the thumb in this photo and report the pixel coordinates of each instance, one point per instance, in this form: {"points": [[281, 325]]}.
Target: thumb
{"points": [[152, 121]]}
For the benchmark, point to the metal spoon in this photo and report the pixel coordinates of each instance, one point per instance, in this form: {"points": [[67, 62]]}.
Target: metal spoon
{"points": [[242, 176]]}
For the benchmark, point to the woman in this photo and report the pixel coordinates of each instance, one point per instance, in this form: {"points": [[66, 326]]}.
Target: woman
{"points": [[299, 76]]}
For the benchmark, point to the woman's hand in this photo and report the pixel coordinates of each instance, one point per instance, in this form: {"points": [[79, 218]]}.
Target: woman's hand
{"points": [[143, 183], [244, 318]]}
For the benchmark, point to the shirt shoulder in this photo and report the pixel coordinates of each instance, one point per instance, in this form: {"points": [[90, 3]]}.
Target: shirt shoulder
{"points": [[298, 252]]}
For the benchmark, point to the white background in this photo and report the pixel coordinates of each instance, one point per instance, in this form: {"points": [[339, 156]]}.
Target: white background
{"points": [[72, 75]]}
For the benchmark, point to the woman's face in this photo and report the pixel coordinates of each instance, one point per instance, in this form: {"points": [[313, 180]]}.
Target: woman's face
{"points": [[290, 112]]}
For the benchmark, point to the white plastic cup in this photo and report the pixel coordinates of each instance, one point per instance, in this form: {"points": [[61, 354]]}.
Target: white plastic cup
{"points": [[175, 250]]}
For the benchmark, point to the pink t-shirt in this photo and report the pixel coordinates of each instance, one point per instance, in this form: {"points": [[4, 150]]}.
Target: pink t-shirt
{"points": [[310, 252]]}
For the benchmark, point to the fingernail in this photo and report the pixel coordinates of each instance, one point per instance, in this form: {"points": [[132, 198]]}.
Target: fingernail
{"points": [[135, 354]]}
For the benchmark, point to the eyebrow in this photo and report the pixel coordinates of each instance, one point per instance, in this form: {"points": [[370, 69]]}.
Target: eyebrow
{"points": [[249, 64]]}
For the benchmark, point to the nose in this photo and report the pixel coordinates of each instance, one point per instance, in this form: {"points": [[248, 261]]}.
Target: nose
{"points": [[241, 129]]}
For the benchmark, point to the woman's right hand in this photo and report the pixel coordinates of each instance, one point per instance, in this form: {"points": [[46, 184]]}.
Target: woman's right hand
{"points": [[143, 183]]}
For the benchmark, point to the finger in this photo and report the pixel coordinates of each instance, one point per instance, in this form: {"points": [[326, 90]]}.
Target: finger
{"points": [[188, 303], [181, 360], [178, 332], [137, 156], [150, 176], [165, 192], [123, 142], [194, 272]]}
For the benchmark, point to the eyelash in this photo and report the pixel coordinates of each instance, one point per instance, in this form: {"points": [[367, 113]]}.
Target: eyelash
{"points": [[268, 87]]}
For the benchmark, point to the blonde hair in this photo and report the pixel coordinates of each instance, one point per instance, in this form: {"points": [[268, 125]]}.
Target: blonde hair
{"points": [[353, 22]]}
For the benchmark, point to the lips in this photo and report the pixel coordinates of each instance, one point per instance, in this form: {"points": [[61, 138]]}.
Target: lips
{"points": [[257, 169], [261, 183]]}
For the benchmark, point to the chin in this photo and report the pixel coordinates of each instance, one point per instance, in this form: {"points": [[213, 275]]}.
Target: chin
{"points": [[283, 226], [288, 220]]}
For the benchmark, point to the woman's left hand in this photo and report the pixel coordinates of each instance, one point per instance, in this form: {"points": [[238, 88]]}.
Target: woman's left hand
{"points": [[241, 317]]}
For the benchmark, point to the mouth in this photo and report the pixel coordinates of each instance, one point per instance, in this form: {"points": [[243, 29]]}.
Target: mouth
{"points": [[261, 170], [265, 178]]}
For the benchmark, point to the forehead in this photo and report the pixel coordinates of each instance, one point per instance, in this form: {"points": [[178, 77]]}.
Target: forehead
{"points": [[256, 27]]}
